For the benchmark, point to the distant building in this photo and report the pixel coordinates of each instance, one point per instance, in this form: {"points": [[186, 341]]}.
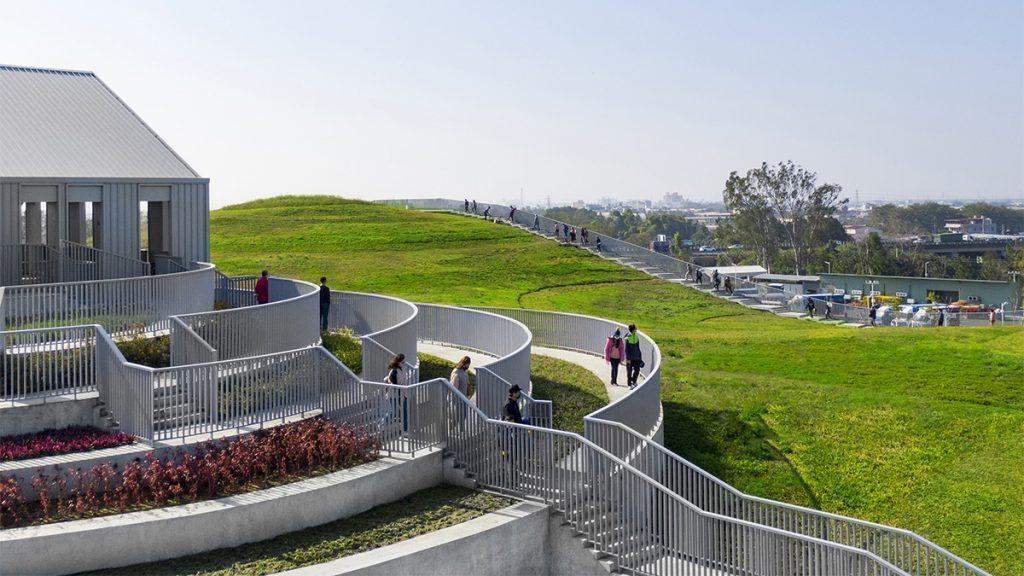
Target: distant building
{"points": [[710, 220], [973, 225], [921, 290], [860, 231]]}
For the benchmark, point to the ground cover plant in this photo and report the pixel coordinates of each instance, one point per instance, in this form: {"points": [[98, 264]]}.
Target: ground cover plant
{"points": [[212, 469], [153, 352], [420, 513], [63, 441], [921, 429]]}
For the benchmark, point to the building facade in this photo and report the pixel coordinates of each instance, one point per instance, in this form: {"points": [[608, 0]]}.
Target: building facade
{"points": [[989, 292], [78, 165]]}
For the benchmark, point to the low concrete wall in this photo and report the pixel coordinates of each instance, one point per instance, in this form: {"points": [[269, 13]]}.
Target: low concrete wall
{"points": [[56, 412], [523, 539], [153, 535]]}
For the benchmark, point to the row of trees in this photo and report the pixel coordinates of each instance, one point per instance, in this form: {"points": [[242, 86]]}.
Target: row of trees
{"points": [[929, 217], [629, 226]]}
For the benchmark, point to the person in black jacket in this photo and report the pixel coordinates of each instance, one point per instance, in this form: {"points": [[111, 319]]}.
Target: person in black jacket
{"points": [[325, 303], [511, 412]]}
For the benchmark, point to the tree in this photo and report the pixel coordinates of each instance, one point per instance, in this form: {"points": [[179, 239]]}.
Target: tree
{"points": [[787, 197]]}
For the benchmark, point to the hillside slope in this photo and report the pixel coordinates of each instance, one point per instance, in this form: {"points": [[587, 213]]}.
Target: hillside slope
{"points": [[922, 429]]}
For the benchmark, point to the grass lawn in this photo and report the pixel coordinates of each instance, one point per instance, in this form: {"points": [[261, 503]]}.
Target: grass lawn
{"points": [[922, 429], [421, 513], [575, 391]]}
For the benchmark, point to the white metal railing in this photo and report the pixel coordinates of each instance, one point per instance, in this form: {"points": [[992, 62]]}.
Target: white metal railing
{"points": [[123, 305], [235, 291], [495, 335], [386, 326], [47, 362], [641, 408], [81, 263], [288, 322]]}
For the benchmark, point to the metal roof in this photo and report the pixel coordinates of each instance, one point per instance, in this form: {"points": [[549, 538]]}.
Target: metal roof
{"points": [[791, 278], [69, 124]]}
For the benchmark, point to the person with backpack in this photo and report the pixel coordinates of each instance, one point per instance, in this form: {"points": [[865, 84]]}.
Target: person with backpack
{"points": [[262, 289], [634, 357], [487, 212], [325, 303], [615, 353]]}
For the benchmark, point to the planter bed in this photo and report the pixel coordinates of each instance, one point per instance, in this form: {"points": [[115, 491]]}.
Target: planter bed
{"points": [[63, 441], [176, 531], [209, 470], [424, 512]]}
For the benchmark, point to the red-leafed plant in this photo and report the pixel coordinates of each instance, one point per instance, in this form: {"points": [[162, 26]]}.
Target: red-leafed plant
{"points": [[63, 441], [209, 470]]}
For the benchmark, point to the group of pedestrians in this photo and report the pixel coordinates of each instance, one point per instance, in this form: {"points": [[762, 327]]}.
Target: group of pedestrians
{"points": [[619, 350], [466, 206]]}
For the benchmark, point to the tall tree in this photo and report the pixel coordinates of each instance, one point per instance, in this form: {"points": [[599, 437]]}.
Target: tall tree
{"points": [[785, 196]]}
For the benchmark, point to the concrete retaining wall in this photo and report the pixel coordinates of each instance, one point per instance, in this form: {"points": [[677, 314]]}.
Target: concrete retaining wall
{"points": [[523, 539], [56, 412], [152, 535]]}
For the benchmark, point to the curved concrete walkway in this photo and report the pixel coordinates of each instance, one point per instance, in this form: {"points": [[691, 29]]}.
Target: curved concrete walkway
{"points": [[594, 364]]}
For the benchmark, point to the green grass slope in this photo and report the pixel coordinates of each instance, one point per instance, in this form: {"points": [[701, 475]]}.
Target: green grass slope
{"points": [[922, 429]]}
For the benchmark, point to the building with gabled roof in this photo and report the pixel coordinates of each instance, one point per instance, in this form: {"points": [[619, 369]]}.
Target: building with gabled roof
{"points": [[69, 147]]}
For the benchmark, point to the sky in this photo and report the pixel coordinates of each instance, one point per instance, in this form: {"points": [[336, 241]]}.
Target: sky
{"points": [[562, 100]]}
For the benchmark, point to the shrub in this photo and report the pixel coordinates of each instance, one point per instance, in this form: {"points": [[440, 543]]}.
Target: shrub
{"points": [[152, 352], [212, 469], [63, 441]]}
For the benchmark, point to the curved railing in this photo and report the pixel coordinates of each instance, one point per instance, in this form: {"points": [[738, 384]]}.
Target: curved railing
{"points": [[288, 322], [385, 325], [504, 338], [121, 306]]}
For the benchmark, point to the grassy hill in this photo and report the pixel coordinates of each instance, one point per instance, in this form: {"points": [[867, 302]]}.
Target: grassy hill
{"points": [[922, 429]]}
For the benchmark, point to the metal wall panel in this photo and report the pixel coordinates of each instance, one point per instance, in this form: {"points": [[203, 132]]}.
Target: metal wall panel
{"points": [[10, 214], [190, 222]]}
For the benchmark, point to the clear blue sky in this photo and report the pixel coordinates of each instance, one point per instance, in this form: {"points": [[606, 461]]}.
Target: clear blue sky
{"points": [[569, 99]]}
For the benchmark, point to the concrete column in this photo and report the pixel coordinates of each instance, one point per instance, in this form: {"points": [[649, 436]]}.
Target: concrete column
{"points": [[76, 222], [53, 234], [97, 225], [33, 223], [155, 231]]}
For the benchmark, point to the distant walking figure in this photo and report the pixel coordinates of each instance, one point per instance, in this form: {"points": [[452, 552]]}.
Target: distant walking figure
{"points": [[728, 285], [512, 214], [465, 205], [597, 243], [558, 231], [942, 318], [396, 377], [572, 234], [810, 307], [262, 289], [689, 272], [615, 353], [474, 206], [828, 309], [634, 357], [872, 314], [487, 212], [325, 303], [714, 279], [536, 222], [992, 317], [584, 235], [565, 231]]}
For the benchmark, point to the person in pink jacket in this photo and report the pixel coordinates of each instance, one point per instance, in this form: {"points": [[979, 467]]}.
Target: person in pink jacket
{"points": [[615, 353]]}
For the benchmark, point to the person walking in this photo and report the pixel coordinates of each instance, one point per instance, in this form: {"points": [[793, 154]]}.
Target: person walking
{"points": [[689, 272], [572, 234], [941, 319], [536, 223], [565, 231], [325, 303], [872, 314], [465, 205], [810, 307], [474, 206], [597, 243], [511, 412], [728, 285], [992, 317], [714, 279], [512, 214], [395, 375], [828, 310], [585, 236], [487, 212], [558, 231], [262, 289], [460, 376], [614, 353], [634, 357]]}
